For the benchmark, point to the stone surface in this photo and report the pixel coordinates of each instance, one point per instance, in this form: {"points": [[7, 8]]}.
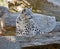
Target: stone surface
{"points": [[11, 19], [57, 27], [17, 42], [39, 39], [45, 23], [8, 42]]}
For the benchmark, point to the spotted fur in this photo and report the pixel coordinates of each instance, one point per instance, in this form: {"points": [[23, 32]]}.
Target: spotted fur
{"points": [[25, 25]]}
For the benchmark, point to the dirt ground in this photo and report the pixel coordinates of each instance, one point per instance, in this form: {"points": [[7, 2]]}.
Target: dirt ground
{"points": [[8, 31]]}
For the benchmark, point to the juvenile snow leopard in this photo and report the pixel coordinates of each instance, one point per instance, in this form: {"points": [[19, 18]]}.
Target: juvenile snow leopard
{"points": [[25, 25]]}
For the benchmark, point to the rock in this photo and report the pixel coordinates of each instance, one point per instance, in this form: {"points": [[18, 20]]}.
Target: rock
{"points": [[45, 23], [55, 2], [38, 40], [57, 27], [8, 42], [11, 19]]}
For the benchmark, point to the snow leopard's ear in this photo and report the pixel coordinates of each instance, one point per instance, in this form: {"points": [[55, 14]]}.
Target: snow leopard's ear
{"points": [[30, 9]]}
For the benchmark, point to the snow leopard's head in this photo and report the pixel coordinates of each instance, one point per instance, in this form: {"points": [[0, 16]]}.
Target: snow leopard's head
{"points": [[27, 13]]}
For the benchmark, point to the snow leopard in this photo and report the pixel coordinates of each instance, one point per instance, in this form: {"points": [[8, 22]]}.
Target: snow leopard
{"points": [[25, 25]]}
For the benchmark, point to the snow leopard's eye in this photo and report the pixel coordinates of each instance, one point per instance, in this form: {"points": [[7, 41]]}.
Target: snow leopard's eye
{"points": [[23, 11], [17, 22]]}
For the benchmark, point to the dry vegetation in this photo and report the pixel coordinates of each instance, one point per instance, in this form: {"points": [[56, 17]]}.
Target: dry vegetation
{"points": [[9, 31]]}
